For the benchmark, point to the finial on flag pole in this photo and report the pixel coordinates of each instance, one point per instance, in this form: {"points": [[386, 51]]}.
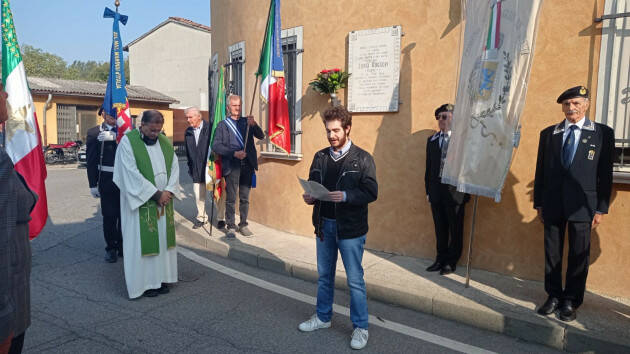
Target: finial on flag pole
{"points": [[117, 3]]}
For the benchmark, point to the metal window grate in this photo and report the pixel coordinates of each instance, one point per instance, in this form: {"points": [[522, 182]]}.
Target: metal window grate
{"points": [[66, 123]]}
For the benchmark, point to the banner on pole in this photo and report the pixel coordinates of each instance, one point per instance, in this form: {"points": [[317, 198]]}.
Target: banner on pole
{"points": [[495, 66]]}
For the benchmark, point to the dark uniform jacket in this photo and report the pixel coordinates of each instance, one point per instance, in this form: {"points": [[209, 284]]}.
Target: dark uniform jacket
{"points": [[197, 152], [93, 147], [437, 191], [225, 144], [576, 193], [357, 178], [110, 194], [16, 203]]}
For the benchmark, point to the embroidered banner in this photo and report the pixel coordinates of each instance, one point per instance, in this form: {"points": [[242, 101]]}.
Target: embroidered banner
{"points": [[496, 60]]}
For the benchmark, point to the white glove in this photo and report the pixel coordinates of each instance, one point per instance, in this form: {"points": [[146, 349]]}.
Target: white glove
{"points": [[106, 135], [95, 193]]}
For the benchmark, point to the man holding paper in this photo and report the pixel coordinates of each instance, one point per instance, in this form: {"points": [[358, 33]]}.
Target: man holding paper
{"points": [[341, 224]]}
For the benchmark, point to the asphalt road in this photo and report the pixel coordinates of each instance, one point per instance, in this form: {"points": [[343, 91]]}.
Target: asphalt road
{"points": [[80, 304]]}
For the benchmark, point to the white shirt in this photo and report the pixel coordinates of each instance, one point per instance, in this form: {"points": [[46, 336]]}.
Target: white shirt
{"points": [[442, 136], [197, 131], [576, 133]]}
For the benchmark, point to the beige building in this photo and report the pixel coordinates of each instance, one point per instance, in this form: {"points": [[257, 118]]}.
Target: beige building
{"points": [[508, 238], [72, 105], [173, 58]]}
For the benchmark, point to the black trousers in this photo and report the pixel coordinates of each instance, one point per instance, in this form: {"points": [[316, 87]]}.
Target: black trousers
{"points": [[110, 208], [578, 262], [449, 227], [16, 344], [239, 181]]}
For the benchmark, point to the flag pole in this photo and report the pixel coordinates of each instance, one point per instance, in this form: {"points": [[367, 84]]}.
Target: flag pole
{"points": [[251, 108], [214, 188], [470, 242]]}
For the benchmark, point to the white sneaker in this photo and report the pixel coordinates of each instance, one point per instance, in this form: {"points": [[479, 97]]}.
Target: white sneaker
{"points": [[312, 324], [359, 338]]}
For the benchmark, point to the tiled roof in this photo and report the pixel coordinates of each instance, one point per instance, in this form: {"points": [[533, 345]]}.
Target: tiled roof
{"points": [[44, 85], [180, 20]]}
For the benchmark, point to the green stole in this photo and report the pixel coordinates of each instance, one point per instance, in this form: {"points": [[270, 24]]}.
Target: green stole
{"points": [[149, 213]]}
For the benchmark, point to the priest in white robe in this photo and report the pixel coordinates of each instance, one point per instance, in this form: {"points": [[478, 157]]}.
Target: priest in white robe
{"points": [[147, 173]]}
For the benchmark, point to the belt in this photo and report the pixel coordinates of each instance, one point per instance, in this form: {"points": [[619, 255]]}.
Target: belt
{"points": [[106, 168]]}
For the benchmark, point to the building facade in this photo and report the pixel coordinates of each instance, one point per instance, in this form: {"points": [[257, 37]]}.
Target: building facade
{"points": [[66, 109], [173, 58], [508, 236]]}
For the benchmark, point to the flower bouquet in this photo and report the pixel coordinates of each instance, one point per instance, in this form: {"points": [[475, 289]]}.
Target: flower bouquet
{"points": [[329, 81]]}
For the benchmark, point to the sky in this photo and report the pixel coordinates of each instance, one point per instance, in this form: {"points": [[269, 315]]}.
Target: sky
{"points": [[76, 29]]}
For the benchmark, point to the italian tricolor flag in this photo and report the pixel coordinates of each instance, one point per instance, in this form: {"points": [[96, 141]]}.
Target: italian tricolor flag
{"points": [[272, 89], [22, 138]]}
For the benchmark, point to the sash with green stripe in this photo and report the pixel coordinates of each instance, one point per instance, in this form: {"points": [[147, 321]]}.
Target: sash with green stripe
{"points": [[149, 212]]}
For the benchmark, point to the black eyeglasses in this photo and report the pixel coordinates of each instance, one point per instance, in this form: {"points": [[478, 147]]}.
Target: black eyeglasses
{"points": [[441, 116]]}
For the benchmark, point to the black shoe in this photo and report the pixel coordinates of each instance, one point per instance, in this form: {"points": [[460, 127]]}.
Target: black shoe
{"points": [[111, 257], [163, 289], [566, 311], [447, 269], [120, 252], [549, 306], [434, 267], [151, 293], [197, 224], [221, 225]]}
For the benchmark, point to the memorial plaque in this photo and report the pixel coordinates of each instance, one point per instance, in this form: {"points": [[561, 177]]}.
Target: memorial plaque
{"points": [[374, 62]]}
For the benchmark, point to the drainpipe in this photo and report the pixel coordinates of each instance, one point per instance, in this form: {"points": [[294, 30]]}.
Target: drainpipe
{"points": [[47, 106]]}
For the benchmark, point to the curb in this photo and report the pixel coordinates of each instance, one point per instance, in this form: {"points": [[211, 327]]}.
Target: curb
{"points": [[539, 331]]}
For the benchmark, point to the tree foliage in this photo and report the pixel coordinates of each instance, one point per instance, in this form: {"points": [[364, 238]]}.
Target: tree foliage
{"points": [[40, 63]]}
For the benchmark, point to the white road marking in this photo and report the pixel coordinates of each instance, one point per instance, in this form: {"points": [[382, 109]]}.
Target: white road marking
{"points": [[373, 320]]}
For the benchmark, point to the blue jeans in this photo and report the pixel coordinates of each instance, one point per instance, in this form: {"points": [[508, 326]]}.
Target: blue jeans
{"points": [[352, 254]]}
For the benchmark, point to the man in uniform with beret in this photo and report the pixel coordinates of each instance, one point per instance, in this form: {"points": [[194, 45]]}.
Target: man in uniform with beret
{"points": [[447, 204], [101, 152], [571, 191]]}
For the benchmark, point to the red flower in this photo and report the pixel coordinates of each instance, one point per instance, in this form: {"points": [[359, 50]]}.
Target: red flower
{"points": [[335, 70], [325, 71]]}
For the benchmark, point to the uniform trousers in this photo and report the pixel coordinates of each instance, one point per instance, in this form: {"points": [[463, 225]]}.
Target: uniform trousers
{"points": [[110, 208], [448, 219], [578, 262], [239, 181]]}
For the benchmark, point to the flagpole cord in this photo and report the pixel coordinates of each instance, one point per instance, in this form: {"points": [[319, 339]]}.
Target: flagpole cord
{"points": [[470, 242]]}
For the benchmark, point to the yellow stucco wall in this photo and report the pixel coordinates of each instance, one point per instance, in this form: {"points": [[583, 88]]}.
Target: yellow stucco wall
{"points": [[51, 114], [508, 237]]}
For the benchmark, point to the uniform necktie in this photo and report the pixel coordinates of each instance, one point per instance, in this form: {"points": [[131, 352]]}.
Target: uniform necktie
{"points": [[567, 148], [443, 150]]}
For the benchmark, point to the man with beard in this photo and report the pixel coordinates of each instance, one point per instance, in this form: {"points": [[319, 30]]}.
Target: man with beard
{"points": [[147, 173], [571, 191], [341, 222], [101, 153]]}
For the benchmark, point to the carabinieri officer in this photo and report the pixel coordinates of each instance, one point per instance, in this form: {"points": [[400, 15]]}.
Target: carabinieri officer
{"points": [[101, 153], [571, 190]]}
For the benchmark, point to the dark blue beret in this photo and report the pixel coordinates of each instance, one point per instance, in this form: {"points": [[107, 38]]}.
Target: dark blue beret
{"points": [[447, 107], [577, 91]]}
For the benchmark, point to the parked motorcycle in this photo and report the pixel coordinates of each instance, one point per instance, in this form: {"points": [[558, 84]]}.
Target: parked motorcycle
{"points": [[62, 153]]}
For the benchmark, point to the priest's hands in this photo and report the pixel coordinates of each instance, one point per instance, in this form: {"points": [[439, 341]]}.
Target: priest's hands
{"points": [[240, 154], [165, 198]]}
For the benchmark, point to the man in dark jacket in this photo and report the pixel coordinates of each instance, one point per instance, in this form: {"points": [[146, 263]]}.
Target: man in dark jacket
{"points": [[101, 152], [341, 221], [571, 190], [234, 141], [197, 138], [447, 204]]}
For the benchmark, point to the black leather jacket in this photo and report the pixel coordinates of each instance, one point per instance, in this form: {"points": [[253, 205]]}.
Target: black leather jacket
{"points": [[358, 180]]}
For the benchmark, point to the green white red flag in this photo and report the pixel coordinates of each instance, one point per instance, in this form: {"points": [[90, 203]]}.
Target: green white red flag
{"points": [[213, 168], [23, 141], [272, 89]]}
